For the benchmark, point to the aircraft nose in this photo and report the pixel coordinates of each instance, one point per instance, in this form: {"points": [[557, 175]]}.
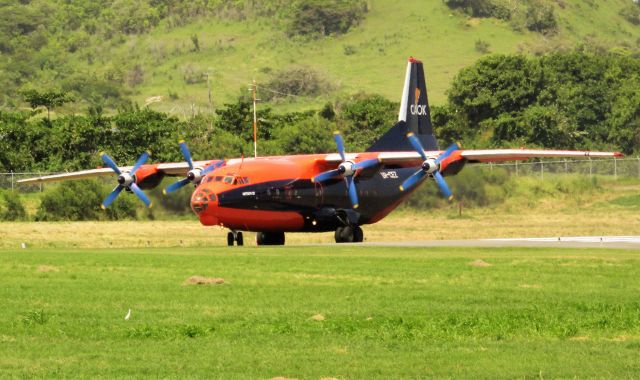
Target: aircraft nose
{"points": [[201, 200]]}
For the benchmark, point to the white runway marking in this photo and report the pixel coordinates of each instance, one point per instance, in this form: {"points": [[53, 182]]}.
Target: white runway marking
{"points": [[619, 242]]}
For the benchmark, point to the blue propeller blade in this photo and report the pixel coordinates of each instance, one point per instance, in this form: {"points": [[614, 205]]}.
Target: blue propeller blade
{"points": [[365, 164], [442, 184], [112, 196], [141, 161], [415, 178], [212, 167], [447, 152], [353, 193], [176, 185], [326, 175], [186, 154], [140, 194], [417, 146], [110, 163], [340, 144]]}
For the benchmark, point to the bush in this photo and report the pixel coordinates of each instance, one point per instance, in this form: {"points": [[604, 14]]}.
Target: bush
{"points": [[296, 80], [482, 46], [81, 200], [323, 18], [632, 13], [11, 207], [482, 8], [540, 18]]}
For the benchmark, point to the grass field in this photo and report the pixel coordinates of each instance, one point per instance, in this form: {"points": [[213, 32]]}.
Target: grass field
{"points": [[315, 312]]}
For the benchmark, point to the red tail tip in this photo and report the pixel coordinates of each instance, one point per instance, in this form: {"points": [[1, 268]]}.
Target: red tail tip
{"points": [[413, 60]]}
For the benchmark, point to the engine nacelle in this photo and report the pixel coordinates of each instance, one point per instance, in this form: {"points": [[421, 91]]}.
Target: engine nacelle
{"points": [[147, 177]]}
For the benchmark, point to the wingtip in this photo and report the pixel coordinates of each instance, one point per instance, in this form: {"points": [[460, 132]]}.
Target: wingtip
{"points": [[150, 205], [102, 206], [181, 141], [164, 191], [409, 134], [451, 198], [401, 188], [355, 206], [336, 132]]}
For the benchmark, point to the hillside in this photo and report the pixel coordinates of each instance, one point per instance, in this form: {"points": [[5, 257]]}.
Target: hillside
{"points": [[171, 60]]}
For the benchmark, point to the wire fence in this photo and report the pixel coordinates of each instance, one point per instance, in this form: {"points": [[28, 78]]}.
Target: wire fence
{"points": [[628, 167]]}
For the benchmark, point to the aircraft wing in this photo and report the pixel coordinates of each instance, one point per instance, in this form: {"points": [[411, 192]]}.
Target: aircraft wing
{"points": [[483, 155], [169, 169]]}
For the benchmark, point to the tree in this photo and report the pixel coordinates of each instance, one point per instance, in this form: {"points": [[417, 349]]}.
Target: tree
{"points": [[48, 99]]}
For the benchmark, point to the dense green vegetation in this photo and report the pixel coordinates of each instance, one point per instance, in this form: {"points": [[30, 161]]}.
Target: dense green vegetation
{"points": [[348, 312]]}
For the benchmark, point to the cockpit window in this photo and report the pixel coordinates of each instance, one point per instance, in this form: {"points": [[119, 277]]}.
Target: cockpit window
{"points": [[234, 180], [229, 179], [218, 178]]}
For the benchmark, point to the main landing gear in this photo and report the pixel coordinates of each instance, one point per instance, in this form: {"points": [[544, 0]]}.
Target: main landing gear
{"points": [[270, 238], [235, 236], [349, 234]]}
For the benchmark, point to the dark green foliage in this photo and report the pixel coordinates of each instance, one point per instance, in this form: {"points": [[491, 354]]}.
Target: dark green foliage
{"points": [[363, 118], [482, 8], [312, 135], [81, 200], [46, 99], [570, 100], [11, 207], [482, 46], [539, 17], [323, 18]]}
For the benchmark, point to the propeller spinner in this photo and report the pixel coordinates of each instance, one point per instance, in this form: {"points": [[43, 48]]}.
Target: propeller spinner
{"points": [[346, 170], [194, 175], [430, 166], [126, 180]]}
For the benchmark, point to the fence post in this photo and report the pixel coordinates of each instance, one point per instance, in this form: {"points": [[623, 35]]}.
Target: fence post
{"points": [[566, 166], [12, 189], [542, 170], [517, 167], [590, 168], [615, 169]]}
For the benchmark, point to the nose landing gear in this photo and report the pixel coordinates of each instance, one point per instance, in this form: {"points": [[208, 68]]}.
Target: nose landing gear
{"points": [[349, 234], [235, 236]]}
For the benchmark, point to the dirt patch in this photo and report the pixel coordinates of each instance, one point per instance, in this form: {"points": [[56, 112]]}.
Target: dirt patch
{"points": [[479, 263], [200, 280], [47, 269], [318, 317], [282, 378], [530, 286], [329, 378], [579, 338]]}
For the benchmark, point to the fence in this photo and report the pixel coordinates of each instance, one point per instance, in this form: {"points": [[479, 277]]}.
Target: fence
{"points": [[618, 168]]}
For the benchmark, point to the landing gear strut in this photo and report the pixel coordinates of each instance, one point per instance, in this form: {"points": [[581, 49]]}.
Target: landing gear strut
{"points": [[270, 238], [349, 234], [235, 236]]}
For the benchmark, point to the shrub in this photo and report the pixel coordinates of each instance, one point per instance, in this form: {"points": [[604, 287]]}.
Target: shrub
{"points": [[631, 13], [482, 8], [323, 18], [482, 46], [11, 207], [540, 18], [81, 200], [296, 80]]}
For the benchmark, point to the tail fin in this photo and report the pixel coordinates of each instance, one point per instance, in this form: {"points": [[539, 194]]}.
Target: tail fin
{"points": [[414, 115]]}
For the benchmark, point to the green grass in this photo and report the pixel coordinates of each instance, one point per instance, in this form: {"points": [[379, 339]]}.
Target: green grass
{"points": [[389, 313], [235, 52]]}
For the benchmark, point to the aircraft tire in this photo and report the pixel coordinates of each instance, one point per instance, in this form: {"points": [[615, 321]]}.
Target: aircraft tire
{"points": [[230, 239], [270, 238], [344, 234], [239, 239], [358, 235]]}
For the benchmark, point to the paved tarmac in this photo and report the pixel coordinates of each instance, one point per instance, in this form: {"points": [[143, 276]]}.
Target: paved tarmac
{"points": [[617, 242]]}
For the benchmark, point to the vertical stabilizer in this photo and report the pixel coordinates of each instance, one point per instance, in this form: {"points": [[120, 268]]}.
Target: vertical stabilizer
{"points": [[414, 115]]}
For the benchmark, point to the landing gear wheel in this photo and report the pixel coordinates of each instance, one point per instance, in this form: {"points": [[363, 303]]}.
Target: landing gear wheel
{"points": [[358, 235], [239, 239], [230, 239], [344, 234], [270, 238]]}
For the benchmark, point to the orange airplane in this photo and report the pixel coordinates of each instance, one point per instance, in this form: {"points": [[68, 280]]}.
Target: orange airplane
{"points": [[317, 192]]}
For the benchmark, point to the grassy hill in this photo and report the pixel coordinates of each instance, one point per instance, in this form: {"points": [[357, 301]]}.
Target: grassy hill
{"points": [[232, 51]]}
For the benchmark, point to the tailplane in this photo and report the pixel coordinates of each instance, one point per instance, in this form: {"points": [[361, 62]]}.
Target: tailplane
{"points": [[414, 116]]}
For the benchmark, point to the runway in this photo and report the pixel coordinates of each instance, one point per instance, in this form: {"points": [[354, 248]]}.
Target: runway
{"points": [[617, 242]]}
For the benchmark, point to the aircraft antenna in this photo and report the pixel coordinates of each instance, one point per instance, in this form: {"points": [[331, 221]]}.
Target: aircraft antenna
{"points": [[254, 90]]}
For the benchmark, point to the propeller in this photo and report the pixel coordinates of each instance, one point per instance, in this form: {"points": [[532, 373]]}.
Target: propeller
{"points": [[126, 180], [346, 170], [430, 166], [194, 175]]}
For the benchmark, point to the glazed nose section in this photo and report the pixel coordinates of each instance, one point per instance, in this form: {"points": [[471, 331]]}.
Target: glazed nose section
{"points": [[201, 200]]}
